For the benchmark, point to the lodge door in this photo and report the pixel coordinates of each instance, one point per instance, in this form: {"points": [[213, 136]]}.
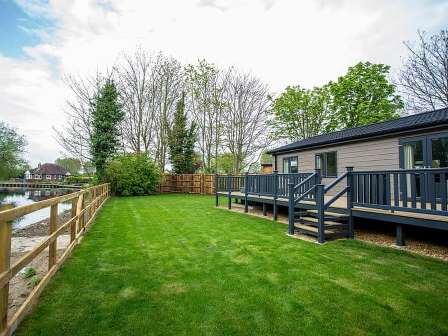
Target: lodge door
{"points": [[426, 152]]}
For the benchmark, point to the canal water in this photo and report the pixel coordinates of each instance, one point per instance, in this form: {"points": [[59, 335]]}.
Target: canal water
{"points": [[20, 197]]}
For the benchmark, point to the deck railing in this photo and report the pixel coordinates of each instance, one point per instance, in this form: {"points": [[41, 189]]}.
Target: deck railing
{"points": [[259, 184], [84, 207], [410, 190]]}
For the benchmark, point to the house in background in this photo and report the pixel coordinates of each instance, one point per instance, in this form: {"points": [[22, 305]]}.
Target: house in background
{"points": [[266, 164], [266, 168], [47, 172]]}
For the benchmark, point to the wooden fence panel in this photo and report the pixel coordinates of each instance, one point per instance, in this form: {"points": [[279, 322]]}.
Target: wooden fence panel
{"points": [[203, 184]]}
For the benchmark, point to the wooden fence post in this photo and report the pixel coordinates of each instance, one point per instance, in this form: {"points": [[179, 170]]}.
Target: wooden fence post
{"points": [[5, 263], [53, 227], [79, 208], [73, 224]]}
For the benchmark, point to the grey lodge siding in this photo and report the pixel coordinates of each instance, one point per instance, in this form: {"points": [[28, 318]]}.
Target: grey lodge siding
{"points": [[366, 155], [369, 155]]}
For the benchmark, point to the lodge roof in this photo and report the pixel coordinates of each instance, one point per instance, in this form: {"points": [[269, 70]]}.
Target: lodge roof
{"points": [[416, 121]]}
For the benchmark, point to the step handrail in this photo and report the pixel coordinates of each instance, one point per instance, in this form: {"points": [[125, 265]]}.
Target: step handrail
{"points": [[296, 187], [337, 196], [335, 182], [302, 196]]}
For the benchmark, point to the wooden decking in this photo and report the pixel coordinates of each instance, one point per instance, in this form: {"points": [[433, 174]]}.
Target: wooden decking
{"points": [[340, 205]]}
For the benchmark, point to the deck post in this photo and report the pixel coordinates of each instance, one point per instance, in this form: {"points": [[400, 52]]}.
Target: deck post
{"points": [[318, 177], [275, 196], [264, 209], [399, 236], [246, 191], [317, 180], [216, 191], [320, 204], [350, 193], [229, 190], [291, 207]]}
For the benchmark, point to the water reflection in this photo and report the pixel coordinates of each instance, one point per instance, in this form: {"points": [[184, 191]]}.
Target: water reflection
{"points": [[20, 197]]}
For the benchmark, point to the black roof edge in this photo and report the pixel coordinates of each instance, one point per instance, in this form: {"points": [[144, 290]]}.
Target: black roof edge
{"points": [[281, 149]]}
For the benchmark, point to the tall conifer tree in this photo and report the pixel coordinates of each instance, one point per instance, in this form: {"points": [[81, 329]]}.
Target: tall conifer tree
{"points": [[107, 116], [181, 141]]}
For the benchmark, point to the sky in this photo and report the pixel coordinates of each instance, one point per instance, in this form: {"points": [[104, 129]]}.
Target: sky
{"points": [[283, 42]]}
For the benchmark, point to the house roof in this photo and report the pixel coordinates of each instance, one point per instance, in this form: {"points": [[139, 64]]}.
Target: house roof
{"points": [[415, 121], [49, 169]]}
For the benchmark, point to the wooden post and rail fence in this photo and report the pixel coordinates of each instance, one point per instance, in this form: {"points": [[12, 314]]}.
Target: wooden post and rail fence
{"points": [[84, 207]]}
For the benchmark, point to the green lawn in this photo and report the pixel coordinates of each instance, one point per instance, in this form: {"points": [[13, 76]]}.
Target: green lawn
{"points": [[175, 265]]}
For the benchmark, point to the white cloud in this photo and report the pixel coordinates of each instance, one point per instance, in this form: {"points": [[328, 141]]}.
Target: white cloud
{"points": [[283, 42]]}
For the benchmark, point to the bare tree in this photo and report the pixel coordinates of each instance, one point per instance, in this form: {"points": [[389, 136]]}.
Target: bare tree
{"points": [[205, 84], [424, 77], [137, 89], [168, 88], [245, 127], [74, 137]]}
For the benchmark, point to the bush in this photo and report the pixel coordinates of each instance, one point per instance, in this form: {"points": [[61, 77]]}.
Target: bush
{"points": [[132, 174], [78, 179]]}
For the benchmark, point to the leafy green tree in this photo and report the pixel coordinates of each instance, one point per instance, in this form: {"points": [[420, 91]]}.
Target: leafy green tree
{"points": [[132, 174], [72, 165], [181, 141], [225, 163], [299, 113], [363, 96], [107, 116], [265, 158], [12, 146]]}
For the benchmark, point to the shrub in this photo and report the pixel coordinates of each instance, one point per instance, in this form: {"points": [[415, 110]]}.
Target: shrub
{"points": [[132, 174], [78, 179]]}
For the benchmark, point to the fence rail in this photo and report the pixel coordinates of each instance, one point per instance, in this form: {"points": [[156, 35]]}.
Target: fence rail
{"points": [[85, 205]]}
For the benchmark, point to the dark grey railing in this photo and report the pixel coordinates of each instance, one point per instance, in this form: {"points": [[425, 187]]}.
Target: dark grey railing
{"points": [[410, 190], [259, 184]]}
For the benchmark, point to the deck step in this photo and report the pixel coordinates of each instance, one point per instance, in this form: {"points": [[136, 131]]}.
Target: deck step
{"points": [[313, 231], [311, 221], [300, 214], [330, 214]]}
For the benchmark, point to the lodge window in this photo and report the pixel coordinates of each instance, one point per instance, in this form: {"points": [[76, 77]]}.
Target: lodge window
{"points": [[327, 163], [291, 165]]}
